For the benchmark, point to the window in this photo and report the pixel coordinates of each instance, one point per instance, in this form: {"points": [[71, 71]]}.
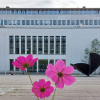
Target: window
{"points": [[55, 12], [4, 11], [41, 22], [9, 22], [81, 11], [16, 44], [76, 12], [27, 22], [1, 22], [63, 12], [29, 12], [63, 22], [23, 22], [5, 22], [86, 22], [90, 22], [59, 22], [51, 61], [54, 22], [11, 66], [41, 12], [45, 44], [32, 22], [51, 12], [18, 22], [68, 22], [82, 22], [46, 12], [34, 12], [85, 12], [36, 22], [39, 44], [57, 44], [14, 22], [72, 22], [89, 12], [11, 44], [12, 11], [63, 44], [50, 22], [22, 44], [72, 12], [59, 12], [8, 11], [34, 39], [45, 22], [51, 44], [77, 22], [28, 44], [95, 22], [0, 11], [68, 12], [94, 12]]}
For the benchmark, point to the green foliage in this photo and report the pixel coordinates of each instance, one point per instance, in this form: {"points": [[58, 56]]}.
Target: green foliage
{"points": [[95, 48]]}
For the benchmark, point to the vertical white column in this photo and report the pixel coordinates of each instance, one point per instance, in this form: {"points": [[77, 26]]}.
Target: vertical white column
{"points": [[48, 44], [54, 45], [60, 45], [43, 45], [37, 66], [31, 45], [25, 44], [37, 44], [14, 44], [19, 44]]}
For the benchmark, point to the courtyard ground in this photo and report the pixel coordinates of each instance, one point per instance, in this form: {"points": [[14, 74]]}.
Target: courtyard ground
{"points": [[18, 87]]}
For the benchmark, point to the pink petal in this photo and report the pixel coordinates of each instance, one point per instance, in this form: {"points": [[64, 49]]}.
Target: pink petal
{"points": [[21, 59], [47, 84], [50, 89], [36, 85], [54, 78], [60, 65], [50, 73], [68, 70], [68, 79], [42, 96], [31, 63], [29, 58], [60, 83], [16, 63], [42, 82], [36, 92], [51, 67]]}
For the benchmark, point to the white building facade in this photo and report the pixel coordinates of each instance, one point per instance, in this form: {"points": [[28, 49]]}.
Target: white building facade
{"points": [[47, 33]]}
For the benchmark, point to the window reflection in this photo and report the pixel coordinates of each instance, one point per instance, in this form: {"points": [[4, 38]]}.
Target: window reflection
{"points": [[28, 44], [57, 44], [11, 44], [39, 44], [63, 44], [22, 44], [34, 39], [45, 44], [16, 44], [51, 44]]}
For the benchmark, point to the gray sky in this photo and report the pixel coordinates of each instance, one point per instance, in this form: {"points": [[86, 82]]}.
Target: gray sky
{"points": [[50, 3]]}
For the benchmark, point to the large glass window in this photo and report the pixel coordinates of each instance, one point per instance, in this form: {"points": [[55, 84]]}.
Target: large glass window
{"points": [[34, 39], [0, 11], [51, 61], [11, 44], [77, 22], [63, 12], [8, 11], [45, 22], [22, 44], [14, 22], [57, 44], [94, 12], [68, 22], [89, 12], [86, 22], [45, 44], [39, 44], [63, 44], [4, 11], [23, 22], [63, 22], [90, 22], [12, 12], [95, 22], [28, 44], [72, 12], [41, 22], [11, 66], [81, 11], [76, 12], [41, 12], [33, 12], [16, 44], [32, 22], [50, 12], [85, 12], [59, 22], [1, 22], [9, 22], [36, 22], [46, 12], [72, 22], [5, 22], [18, 22], [50, 22], [27, 22], [51, 44], [29, 11], [82, 22], [55, 12], [54, 22]]}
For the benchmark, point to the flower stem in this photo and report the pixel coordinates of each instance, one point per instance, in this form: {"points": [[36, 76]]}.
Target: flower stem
{"points": [[32, 83]]}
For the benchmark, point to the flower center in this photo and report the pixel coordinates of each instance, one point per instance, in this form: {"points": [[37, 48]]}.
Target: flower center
{"points": [[60, 74], [42, 89], [26, 65]]}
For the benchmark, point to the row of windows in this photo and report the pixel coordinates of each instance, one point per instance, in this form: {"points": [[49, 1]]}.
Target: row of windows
{"points": [[48, 12], [37, 45], [42, 65], [50, 22]]}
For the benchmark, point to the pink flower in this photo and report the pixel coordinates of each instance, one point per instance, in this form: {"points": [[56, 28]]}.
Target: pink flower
{"points": [[42, 88], [60, 74], [23, 62]]}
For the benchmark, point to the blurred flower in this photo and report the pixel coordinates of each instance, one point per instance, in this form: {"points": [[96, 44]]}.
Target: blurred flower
{"points": [[24, 62], [60, 74], [42, 88]]}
